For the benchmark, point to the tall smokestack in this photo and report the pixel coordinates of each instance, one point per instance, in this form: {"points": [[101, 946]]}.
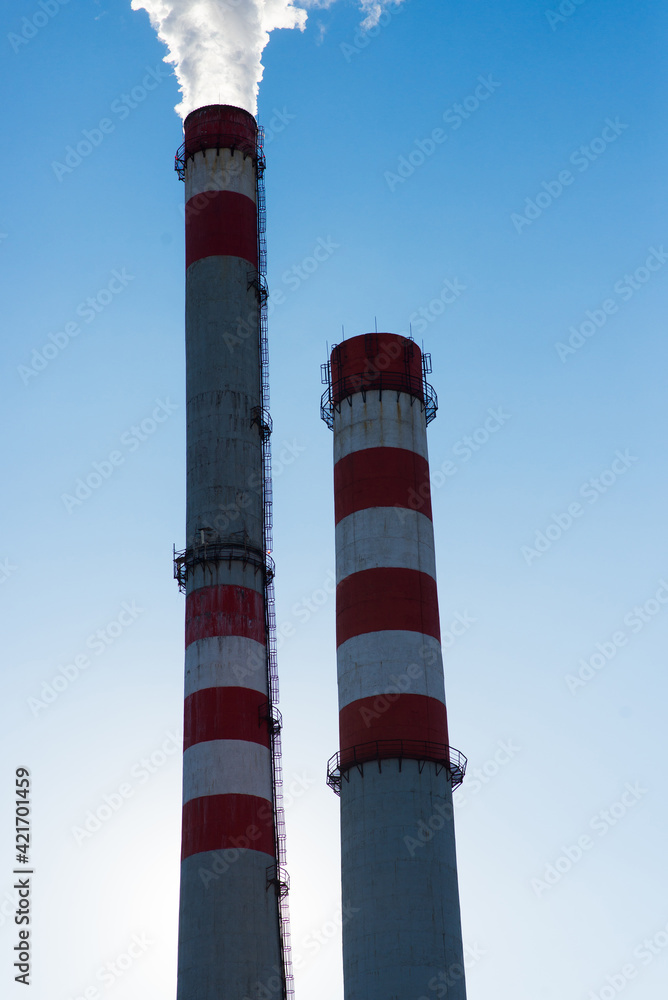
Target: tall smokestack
{"points": [[233, 936], [395, 770]]}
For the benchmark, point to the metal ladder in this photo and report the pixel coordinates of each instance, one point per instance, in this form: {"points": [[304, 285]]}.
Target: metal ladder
{"points": [[280, 877]]}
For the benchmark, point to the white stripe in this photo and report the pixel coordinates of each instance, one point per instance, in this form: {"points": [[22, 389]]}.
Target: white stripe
{"points": [[227, 767], [384, 537], [387, 662], [226, 661], [213, 170], [376, 423]]}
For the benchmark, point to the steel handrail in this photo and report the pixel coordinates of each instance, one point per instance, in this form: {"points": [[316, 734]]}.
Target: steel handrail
{"points": [[346, 387], [448, 757]]}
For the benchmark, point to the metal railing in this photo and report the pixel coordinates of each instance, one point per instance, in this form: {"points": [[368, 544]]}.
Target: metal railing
{"points": [[371, 381], [423, 751], [279, 878], [262, 418], [214, 552], [215, 140]]}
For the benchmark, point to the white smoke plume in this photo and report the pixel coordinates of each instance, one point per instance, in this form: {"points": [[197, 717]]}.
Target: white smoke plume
{"points": [[216, 46]]}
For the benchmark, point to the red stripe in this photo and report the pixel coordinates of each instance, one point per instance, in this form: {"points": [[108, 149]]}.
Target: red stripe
{"points": [[221, 223], [219, 126], [375, 600], [393, 717], [222, 822], [225, 610], [381, 477], [385, 360], [225, 713]]}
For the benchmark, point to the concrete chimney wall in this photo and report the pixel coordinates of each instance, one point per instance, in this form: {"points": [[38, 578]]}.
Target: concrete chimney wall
{"points": [[229, 923], [395, 770]]}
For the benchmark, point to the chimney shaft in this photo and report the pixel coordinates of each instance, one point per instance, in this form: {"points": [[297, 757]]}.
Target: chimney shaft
{"points": [[230, 929], [395, 770]]}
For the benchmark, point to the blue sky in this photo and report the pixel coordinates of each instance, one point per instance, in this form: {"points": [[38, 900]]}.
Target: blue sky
{"points": [[346, 115]]}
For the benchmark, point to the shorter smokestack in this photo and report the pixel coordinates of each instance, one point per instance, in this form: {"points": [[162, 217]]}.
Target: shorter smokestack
{"points": [[395, 770]]}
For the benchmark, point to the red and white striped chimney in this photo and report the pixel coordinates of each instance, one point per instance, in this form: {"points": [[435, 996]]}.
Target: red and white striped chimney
{"points": [[395, 769], [231, 934]]}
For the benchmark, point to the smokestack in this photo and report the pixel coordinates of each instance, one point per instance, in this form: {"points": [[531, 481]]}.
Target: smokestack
{"points": [[395, 770], [233, 931]]}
